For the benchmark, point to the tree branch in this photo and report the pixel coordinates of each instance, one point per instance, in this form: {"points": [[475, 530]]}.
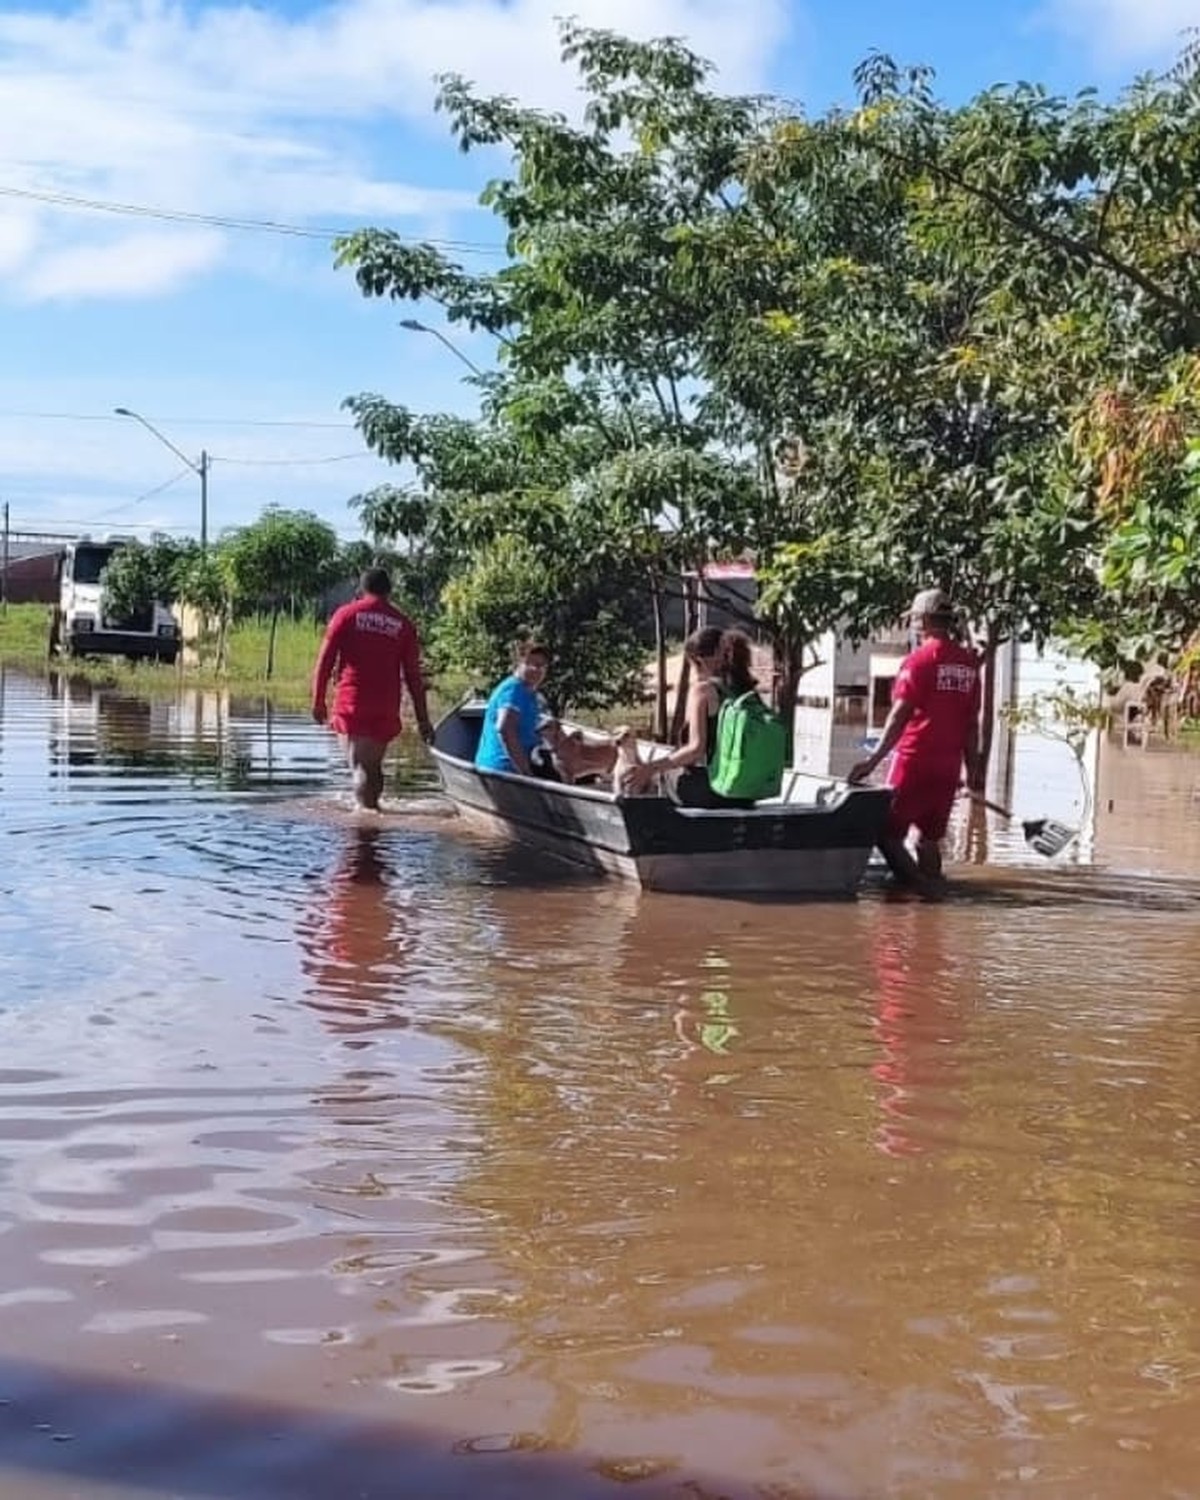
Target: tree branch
{"points": [[1057, 239], [1111, 193], [674, 390], [662, 404]]}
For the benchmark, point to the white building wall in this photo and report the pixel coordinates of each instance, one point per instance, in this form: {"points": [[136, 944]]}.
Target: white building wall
{"points": [[812, 724], [1043, 777]]}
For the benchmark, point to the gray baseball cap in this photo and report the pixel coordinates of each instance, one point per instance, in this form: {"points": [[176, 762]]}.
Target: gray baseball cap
{"points": [[932, 604]]}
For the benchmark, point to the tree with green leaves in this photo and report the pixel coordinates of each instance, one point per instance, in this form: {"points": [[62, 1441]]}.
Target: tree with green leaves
{"points": [[285, 558], [933, 307], [1077, 221], [596, 317], [589, 624], [139, 574], [204, 585], [938, 302]]}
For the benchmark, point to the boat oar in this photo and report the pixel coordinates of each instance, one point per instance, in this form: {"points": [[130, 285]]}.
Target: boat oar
{"points": [[996, 807], [1046, 836]]}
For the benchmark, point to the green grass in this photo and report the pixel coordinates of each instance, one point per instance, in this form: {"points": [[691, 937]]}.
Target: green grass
{"points": [[23, 634], [24, 629]]}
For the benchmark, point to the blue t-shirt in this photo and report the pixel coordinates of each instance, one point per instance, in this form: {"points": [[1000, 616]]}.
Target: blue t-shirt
{"points": [[511, 693]]}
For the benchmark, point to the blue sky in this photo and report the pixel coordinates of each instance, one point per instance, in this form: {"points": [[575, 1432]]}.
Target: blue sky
{"points": [[319, 115]]}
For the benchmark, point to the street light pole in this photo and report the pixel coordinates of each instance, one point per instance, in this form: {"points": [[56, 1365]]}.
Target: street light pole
{"points": [[203, 471], [413, 325], [200, 468]]}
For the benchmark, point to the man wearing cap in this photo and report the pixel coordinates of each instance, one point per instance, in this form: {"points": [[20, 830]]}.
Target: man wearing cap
{"points": [[932, 730]]}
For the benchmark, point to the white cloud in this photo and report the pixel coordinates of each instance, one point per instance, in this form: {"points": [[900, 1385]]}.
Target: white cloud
{"points": [[18, 235], [246, 112], [144, 264], [1125, 33]]}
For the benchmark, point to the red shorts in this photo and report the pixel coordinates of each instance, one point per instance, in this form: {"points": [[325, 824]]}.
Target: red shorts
{"points": [[361, 724], [923, 803]]}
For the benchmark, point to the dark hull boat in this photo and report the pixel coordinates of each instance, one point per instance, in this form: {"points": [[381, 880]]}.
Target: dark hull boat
{"points": [[814, 840]]}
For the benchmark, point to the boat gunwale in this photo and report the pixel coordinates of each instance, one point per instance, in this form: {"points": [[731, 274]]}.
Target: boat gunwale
{"points": [[573, 792]]}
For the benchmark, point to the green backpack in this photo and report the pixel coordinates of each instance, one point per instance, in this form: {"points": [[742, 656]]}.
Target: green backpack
{"points": [[751, 750]]}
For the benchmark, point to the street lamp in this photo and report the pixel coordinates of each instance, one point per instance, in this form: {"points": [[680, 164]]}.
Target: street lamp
{"points": [[200, 468], [413, 326]]}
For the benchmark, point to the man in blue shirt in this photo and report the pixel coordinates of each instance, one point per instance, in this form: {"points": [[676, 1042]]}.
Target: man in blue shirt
{"points": [[513, 715]]}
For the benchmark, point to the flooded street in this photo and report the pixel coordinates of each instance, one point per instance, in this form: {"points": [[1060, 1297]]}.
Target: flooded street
{"points": [[351, 1158]]}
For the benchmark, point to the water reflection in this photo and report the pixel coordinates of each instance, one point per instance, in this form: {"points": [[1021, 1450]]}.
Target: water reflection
{"points": [[209, 739], [918, 1023], [426, 1137], [356, 933], [1148, 810], [728, 1261]]}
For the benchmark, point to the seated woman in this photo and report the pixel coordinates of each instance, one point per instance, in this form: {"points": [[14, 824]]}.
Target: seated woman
{"points": [[720, 665], [511, 721], [519, 735]]}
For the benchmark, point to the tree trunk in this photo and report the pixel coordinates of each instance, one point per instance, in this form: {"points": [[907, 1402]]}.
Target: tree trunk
{"points": [[691, 613], [987, 708], [271, 643], [788, 672], [660, 660], [679, 712]]}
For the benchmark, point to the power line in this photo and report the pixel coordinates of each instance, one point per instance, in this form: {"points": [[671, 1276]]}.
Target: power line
{"points": [[115, 510], [107, 416], [218, 221], [147, 495], [334, 458], [125, 505]]}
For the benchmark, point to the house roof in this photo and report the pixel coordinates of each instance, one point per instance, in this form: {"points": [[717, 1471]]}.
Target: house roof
{"points": [[723, 570]]}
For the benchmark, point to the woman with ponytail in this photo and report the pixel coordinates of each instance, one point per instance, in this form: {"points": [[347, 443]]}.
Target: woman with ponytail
{"points": [[733, 665], [718, 660]]}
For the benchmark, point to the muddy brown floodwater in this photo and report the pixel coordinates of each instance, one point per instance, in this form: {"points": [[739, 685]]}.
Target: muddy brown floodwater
{"points": [[342, 1160]]}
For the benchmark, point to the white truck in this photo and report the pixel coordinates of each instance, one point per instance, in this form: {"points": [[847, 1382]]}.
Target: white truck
{"points": [[82, 625]]}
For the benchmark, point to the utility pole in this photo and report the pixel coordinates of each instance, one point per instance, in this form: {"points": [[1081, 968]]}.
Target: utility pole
{"points": [[203, 472], [4, 567]]}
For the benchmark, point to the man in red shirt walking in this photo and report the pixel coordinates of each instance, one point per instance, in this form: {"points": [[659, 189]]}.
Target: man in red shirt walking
{"points": [[933, 730], [374, 648]]}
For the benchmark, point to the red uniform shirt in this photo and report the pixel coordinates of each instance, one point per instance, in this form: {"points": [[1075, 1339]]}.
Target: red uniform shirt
{"points": [[941, 681], [374, 648]]}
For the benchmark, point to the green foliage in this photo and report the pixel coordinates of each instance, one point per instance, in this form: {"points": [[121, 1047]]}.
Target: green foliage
{"points": [[1150, 562], [976, 325], [590, 629], [203, 582], [284, 557], [138, 574], [24, 631], [1061, 713], [596, 411], [130, 585]]}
